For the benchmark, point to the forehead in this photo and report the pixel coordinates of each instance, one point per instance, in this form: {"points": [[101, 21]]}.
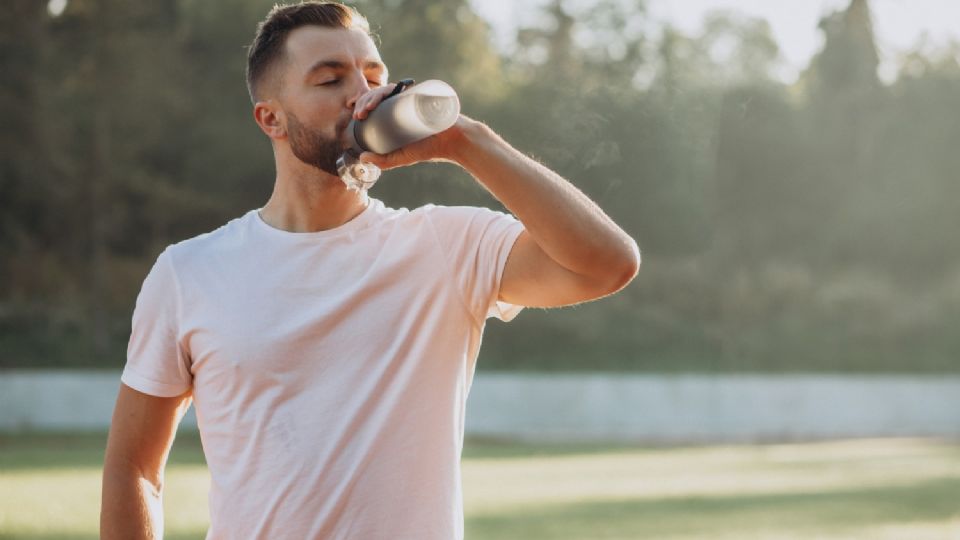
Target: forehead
{"points": [[308, 45]]}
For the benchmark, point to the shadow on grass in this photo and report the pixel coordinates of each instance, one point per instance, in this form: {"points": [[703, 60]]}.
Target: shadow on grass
{"points": [[78, 450], [496, 448], [837, 511]]}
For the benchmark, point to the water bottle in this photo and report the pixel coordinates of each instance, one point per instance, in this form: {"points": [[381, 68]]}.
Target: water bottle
{"points": [[408, 114]]}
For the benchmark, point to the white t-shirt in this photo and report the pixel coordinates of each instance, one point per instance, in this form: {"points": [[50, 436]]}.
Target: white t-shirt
{"points": [[330, 370]]}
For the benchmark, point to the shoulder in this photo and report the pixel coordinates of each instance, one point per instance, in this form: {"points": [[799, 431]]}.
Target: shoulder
{"points": [[433, 214], [203, 247], [453, 215]]}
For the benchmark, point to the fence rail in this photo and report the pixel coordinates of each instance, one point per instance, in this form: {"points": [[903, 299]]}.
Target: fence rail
{"points": [[649, 408]]}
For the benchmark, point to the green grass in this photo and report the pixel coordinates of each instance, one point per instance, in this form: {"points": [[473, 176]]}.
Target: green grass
{"points": [[887, 489]]}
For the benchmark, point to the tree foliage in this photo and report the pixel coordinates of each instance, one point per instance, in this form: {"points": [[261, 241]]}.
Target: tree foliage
{"points": [[805, 226]]}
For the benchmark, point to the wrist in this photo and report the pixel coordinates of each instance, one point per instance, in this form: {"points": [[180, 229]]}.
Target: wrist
{"points": [[468, 138]]}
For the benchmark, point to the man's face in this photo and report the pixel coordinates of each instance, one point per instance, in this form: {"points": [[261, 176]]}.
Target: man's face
{"points": [[325, 71]]}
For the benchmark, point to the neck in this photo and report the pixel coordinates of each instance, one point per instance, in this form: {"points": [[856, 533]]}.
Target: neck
{"points": [[306, 199]]}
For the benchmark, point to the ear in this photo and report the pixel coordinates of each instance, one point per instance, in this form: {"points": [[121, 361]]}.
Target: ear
{"points": [[269, 116]]}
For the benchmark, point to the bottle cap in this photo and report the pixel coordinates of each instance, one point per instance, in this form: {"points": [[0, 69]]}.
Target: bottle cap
{"points": [[357, 175]]}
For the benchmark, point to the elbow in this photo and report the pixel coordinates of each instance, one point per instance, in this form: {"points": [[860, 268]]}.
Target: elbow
{"points": [[630, 266], [624, 268]]}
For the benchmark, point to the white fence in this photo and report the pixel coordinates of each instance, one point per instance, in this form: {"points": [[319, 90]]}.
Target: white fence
{"points": [[607, 407]]}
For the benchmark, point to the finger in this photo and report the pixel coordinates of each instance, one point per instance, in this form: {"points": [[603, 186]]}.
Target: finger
{"points": [[363, 110], [364, 105], [360, 106], [370, 100]]}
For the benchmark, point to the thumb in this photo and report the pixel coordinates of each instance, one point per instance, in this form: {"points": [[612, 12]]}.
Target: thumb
{"points": [[384, 161], [375, 159]]}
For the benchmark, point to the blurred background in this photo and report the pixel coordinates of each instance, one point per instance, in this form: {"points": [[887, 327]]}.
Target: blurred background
{"points": [[789, 170], [795, 214]]}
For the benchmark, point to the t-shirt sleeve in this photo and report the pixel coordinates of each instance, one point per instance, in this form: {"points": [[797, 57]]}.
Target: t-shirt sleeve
{"points": [[476, 243], [157, 363]]}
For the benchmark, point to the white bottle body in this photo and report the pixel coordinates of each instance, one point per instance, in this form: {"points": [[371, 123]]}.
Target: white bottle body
{"points": [[422, 110]]}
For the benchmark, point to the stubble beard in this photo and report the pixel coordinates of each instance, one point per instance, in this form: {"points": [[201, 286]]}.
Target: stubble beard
{"points": [[313, 148]]}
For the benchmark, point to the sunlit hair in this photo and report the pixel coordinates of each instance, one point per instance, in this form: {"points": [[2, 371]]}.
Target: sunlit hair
{"points": [[267, 48]]}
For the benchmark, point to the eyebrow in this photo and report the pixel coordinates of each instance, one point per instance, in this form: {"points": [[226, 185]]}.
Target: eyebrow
{"points": [[338, 65]]}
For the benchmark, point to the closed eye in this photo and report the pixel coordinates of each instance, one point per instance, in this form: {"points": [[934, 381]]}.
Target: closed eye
{"points": [[334, 82]]}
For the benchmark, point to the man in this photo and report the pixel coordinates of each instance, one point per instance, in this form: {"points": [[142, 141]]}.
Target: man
{"points": [[327, 342]]}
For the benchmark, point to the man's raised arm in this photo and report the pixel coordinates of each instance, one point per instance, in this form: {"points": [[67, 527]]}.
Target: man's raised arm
{"points": [[571, 250]]}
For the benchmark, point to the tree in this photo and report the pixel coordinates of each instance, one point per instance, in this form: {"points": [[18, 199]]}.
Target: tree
{"points": [[844, 97], [25, 227], [848, 63], [732, 50], [97, 84]]}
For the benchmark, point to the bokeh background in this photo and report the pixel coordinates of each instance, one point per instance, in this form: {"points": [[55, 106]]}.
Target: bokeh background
{"points": [[798, 215], [786, 225]]}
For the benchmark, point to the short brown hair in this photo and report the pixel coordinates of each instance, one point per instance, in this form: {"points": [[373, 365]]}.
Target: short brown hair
{"points": [[272, 32]]}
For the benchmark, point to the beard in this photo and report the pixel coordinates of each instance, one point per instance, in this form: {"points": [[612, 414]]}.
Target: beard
{"points": [[313, 148]]}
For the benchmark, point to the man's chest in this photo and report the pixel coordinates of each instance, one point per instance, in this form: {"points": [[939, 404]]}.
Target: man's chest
{"points": [[287, 319]]}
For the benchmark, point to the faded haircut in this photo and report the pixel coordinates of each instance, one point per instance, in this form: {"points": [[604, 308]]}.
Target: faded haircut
{"points": [[267, 49]]}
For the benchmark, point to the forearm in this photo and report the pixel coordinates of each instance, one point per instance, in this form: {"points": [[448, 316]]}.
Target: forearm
{"points": [[564, 222], [131, 506]]}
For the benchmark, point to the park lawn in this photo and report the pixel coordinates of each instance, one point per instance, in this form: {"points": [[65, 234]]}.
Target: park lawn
{"points": [[885, 489]]}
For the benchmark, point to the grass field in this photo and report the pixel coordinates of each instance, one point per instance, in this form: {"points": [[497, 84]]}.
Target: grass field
{"points": [[883, 489]]}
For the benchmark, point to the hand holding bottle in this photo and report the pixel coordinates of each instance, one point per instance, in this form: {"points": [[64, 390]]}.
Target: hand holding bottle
{"points": [[407, 115]]}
